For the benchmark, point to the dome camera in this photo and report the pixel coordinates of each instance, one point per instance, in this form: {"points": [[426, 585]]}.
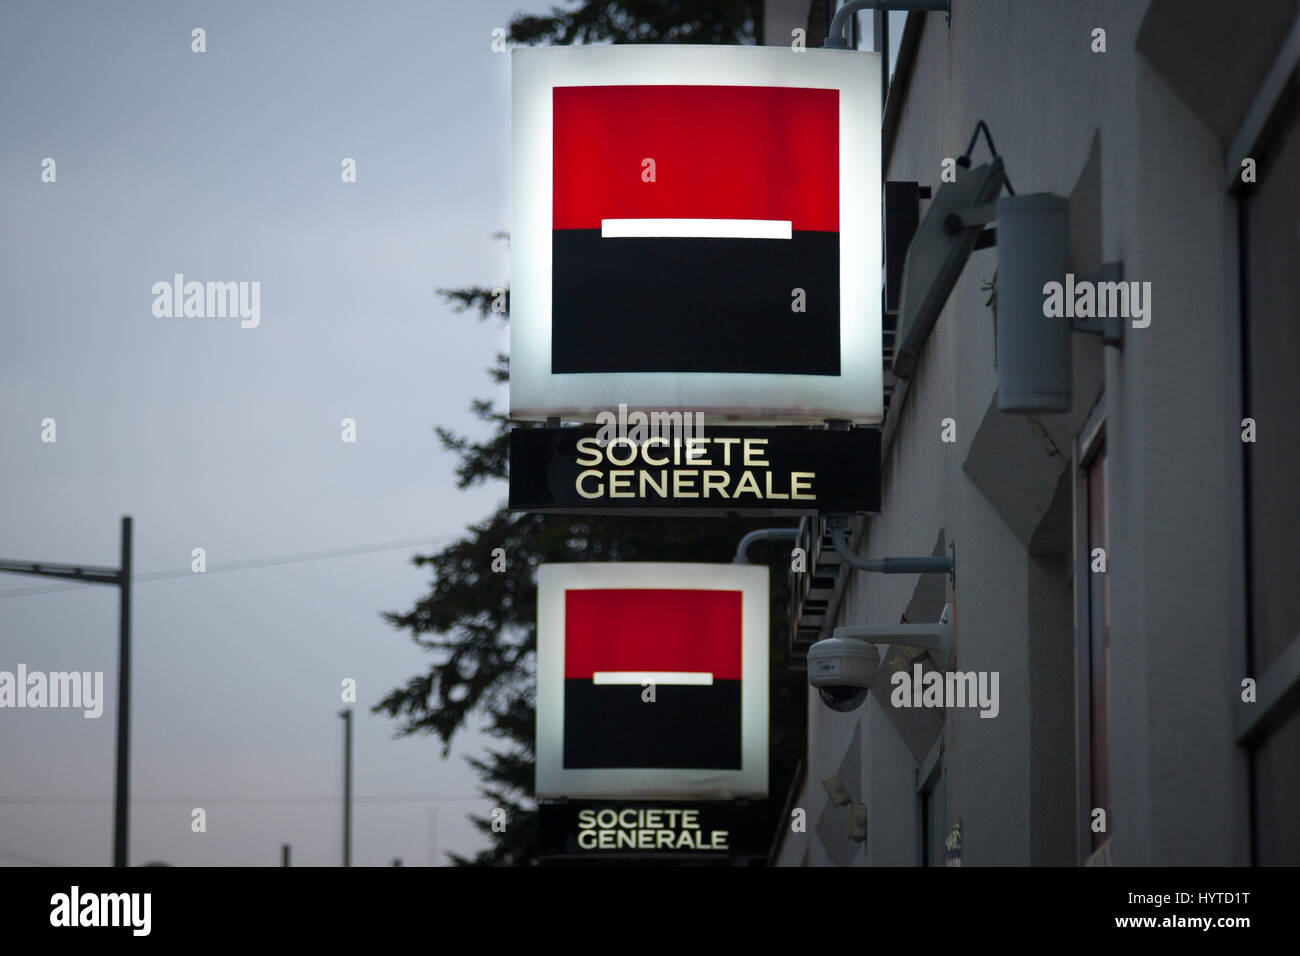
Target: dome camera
{"points": [[843, 670]]}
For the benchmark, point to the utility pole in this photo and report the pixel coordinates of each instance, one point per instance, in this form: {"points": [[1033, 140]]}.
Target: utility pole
{"points": [[122, 793], [121, 578], [433, 837], [347, 785]]}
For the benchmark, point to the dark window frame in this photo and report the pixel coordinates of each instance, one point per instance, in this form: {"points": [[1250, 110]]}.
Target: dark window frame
{"points": [[1274, 115]]}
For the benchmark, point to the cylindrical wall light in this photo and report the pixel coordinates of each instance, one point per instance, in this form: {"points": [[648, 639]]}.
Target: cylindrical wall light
{"points": [[1033, 350]]}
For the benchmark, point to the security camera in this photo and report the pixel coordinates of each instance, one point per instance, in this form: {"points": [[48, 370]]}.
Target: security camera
{"points": [[844, 667], [843, 670]]}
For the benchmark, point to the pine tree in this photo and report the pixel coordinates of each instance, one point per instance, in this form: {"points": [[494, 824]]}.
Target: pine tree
{"points": [[479, 625]]}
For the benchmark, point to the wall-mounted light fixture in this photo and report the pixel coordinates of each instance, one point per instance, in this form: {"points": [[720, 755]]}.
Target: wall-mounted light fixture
{"points": [[1032, 236]]}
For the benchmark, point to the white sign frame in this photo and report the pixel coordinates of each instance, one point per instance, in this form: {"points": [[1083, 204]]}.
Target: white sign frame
{"points": [[856, 394], [554, 780]]}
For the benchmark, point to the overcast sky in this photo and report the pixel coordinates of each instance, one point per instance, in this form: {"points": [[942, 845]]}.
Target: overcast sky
{"points": [[225, 166]]}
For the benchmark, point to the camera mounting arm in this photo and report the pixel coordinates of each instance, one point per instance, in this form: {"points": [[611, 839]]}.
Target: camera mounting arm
{"points": [[929, 637]]}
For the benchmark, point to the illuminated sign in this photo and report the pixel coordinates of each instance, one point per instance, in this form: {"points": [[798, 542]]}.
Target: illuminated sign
{"points": [[642, 829], [726, 470], [633, 829], [694, 228], [652, 680]]}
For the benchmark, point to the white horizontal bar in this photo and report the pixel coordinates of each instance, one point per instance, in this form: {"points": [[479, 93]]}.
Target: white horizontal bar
{"points": [[703, 679], [695, 228]]}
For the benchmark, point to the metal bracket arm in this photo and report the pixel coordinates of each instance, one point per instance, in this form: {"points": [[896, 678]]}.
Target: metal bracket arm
{"points": [[1111, 327], [926, 637], [838, 527], [835, 35], [762, 534], [971, 216]]}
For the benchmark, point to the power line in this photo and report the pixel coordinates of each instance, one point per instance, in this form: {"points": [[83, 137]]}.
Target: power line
{"points": [[54, 800], [244, 565], [23, 858]]}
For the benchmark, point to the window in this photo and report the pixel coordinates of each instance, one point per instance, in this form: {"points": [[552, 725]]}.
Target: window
{"points": [[1269, 248]]}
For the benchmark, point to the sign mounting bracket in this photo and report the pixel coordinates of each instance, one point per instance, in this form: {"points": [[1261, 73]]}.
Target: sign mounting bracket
{"points": [[835, 38]]}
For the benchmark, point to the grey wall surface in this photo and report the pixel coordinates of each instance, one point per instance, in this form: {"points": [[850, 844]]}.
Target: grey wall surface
{"points": [[1145, 171]]}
